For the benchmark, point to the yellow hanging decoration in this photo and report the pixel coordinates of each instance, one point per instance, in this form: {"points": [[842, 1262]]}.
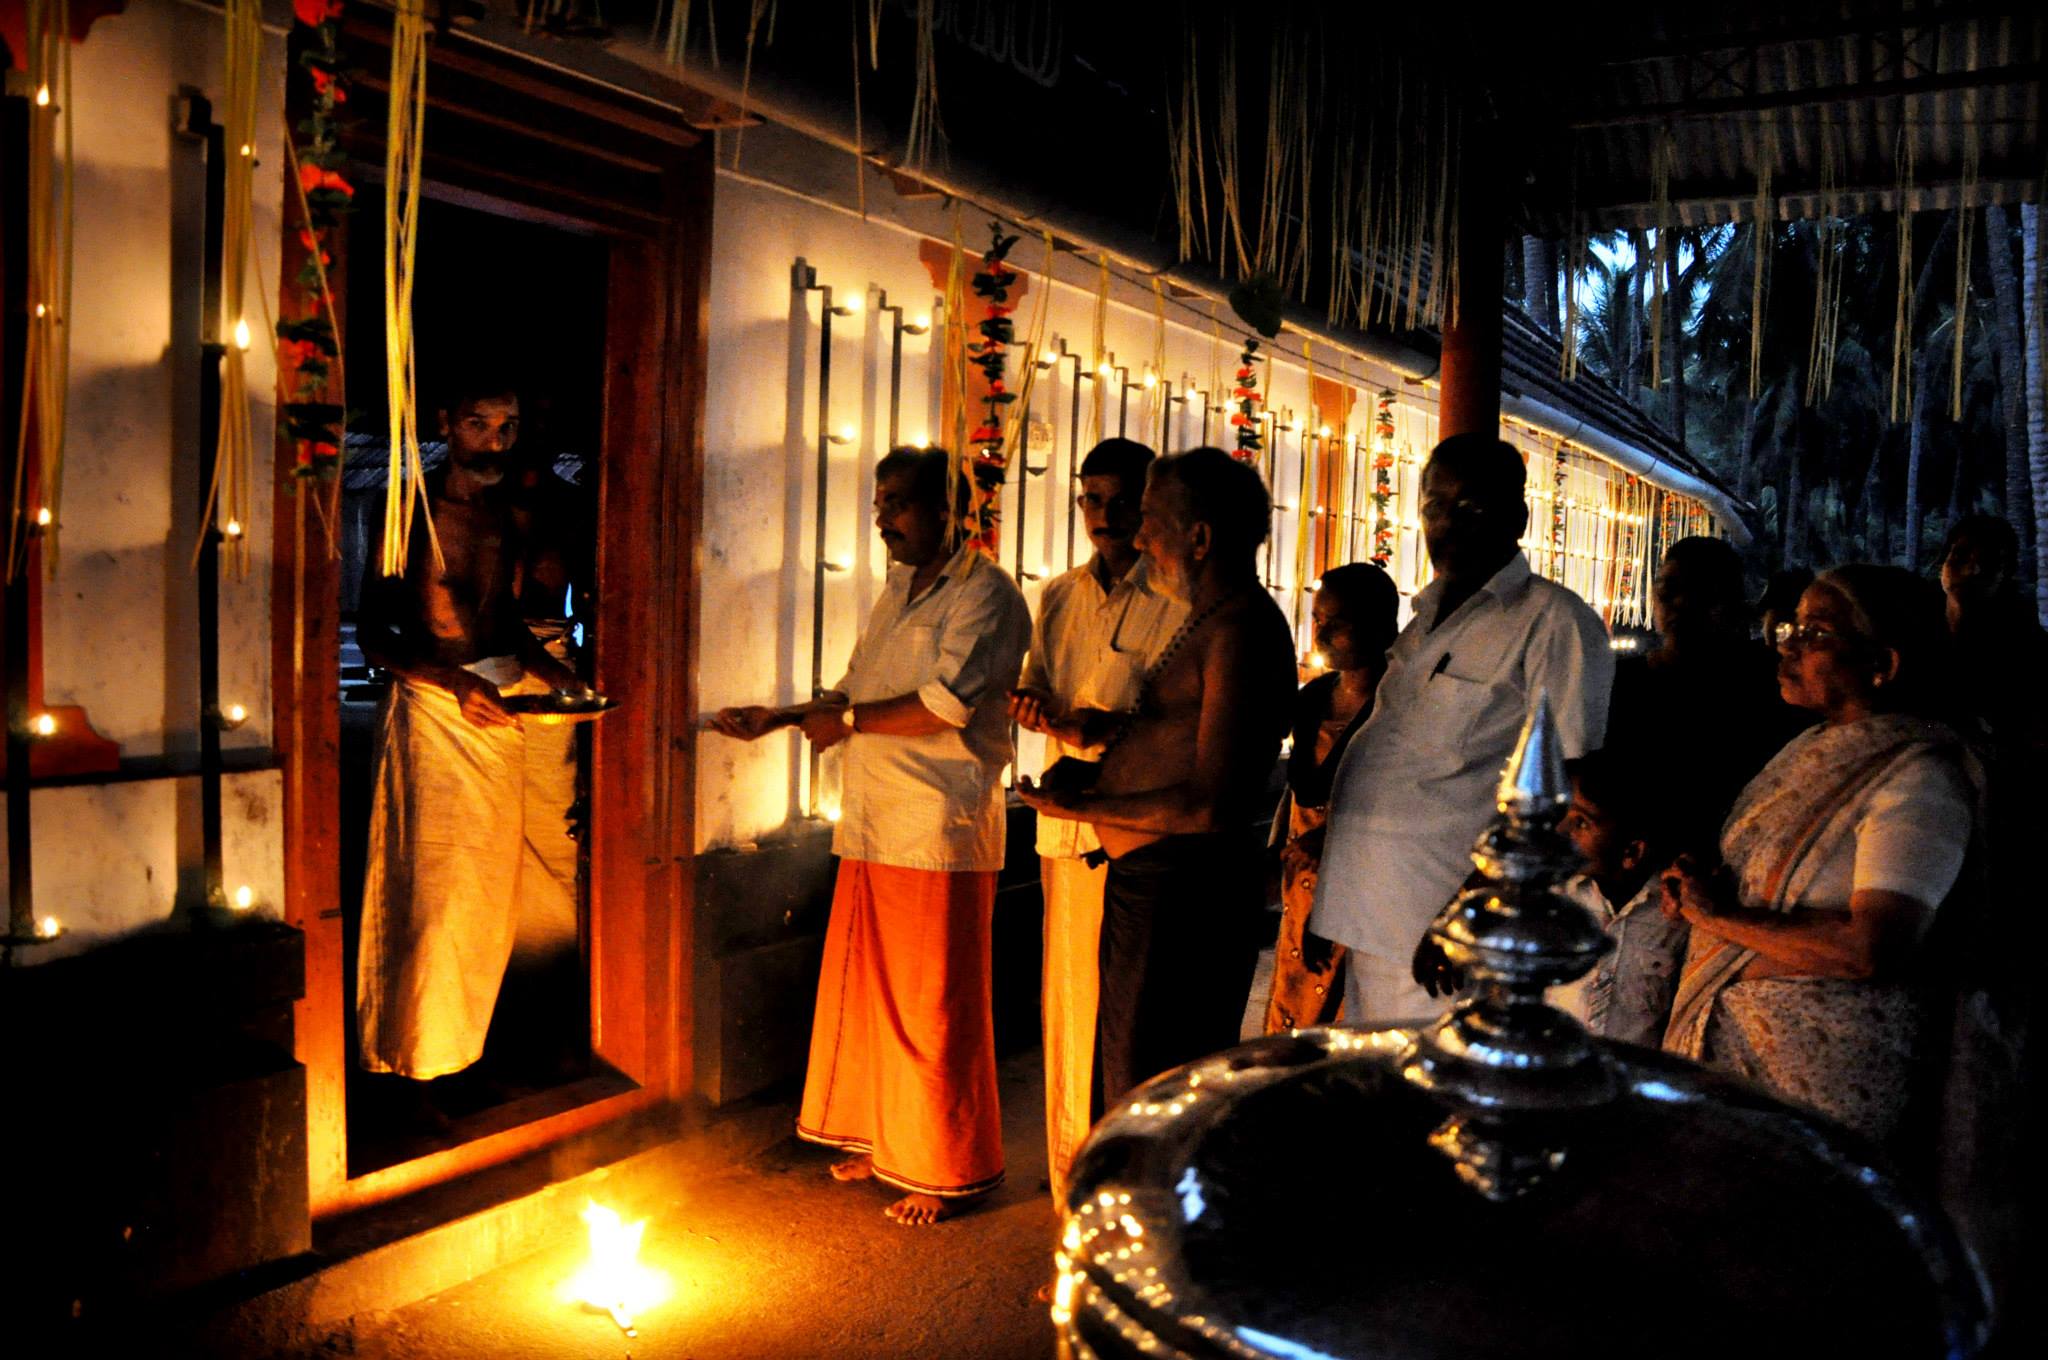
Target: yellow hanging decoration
{"points": [[1902, 306], [1098, 359], [230, 492], [404, 139], [1305, 494], [953, 395], [1014, 442], [46, 361], [1660, 196], [1761, 234], [1155, 377], [1966, 231]]}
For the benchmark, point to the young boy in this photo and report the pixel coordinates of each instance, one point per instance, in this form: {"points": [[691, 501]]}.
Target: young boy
{"points": [[1613, 823]]}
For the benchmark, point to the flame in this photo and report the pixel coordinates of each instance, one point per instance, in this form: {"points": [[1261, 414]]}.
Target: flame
{"points": [[242, 337], [613, 1280]]}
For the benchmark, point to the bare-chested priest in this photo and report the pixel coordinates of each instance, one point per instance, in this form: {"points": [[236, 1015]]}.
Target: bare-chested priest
{"points": [[448, 870], [1184, 780]]}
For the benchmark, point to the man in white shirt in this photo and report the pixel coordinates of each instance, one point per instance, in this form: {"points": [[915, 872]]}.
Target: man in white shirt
{"points": [[1415, 787], [902, 1066], [1100, 627]]}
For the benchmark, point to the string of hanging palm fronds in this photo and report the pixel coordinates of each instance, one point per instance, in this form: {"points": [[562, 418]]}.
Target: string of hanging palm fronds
{"points": [[1330, 176], [1902, 305], [1155, 372], [36, 497], [1098, 351], [403, 147], [230, 491], [1016, 418], [1304, 494], [925, 126], [1762, 232], [1829, 272], [1966, 230], [1661, 156]]}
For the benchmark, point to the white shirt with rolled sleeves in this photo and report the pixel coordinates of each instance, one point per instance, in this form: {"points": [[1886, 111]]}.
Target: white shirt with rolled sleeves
{"points": [[1091, 648], [935, 801], [1416, 785]]}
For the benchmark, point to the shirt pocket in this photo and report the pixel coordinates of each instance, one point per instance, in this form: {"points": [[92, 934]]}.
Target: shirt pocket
{"points": [[907, 660], [1456, 718], [1113, 683]]}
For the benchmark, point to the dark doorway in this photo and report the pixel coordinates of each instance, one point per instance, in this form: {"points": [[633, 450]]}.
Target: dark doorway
{"points": [[526, 301]]}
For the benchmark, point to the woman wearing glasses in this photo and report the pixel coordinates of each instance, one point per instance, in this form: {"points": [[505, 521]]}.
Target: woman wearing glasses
{"points": [[1836, 858]]}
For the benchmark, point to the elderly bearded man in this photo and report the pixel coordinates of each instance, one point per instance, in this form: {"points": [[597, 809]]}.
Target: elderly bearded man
{"points": [[902, 1069], [1100, 626], [1183, 780], [1416, 785]]}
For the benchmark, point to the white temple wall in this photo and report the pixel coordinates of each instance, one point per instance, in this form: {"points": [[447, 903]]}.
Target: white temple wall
{"points": [[119, 616]]}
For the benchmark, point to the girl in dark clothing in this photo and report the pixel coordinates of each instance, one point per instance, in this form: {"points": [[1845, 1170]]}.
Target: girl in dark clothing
{"points": [[1356, 612]]}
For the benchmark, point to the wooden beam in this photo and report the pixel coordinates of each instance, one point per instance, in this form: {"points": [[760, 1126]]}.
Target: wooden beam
{"points": [[559, 92], [582, 146]]}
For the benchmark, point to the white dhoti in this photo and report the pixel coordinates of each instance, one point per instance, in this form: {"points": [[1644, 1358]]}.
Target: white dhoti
{"points": [[454, 875]]}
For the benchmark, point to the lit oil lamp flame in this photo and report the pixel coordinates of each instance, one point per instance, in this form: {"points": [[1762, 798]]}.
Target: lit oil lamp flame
{"points": [[245, 898], [242, 337], [48, 928], [613, 1280], [45, 725]]}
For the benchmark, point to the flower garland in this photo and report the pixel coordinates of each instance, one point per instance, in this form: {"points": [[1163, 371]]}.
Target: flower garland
{"points": [[309, 349], [1558, 508], [1383, 479], [1246, 394], [990, 462]]}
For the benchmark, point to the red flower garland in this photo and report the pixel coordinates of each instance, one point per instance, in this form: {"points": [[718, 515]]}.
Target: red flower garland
{"points": [[990, 462], [1246, 394], [1383, 479], [312, 416]]}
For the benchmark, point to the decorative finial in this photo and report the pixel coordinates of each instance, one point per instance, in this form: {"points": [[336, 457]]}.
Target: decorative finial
{"points": [[1534, 780], [1506, 1063]]}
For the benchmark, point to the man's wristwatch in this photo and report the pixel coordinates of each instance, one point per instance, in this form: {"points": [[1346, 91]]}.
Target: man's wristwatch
{"points": [[846, 716]]}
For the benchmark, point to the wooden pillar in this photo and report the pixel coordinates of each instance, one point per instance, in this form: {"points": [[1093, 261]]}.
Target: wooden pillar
{"points": [[1470, 400]]}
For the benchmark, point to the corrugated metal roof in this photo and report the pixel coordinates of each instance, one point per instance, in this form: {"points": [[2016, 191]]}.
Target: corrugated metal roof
{"points": [[1826, 95]]}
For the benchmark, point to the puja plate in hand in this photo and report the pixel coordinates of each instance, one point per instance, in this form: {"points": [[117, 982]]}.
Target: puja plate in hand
{"points": [[559, 706]]}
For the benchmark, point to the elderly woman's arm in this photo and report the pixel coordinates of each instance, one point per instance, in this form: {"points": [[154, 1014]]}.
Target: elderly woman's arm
{"points": [[1873, 938]]}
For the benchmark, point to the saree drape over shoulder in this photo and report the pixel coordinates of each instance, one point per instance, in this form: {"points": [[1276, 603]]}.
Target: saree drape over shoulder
{"points": [[1884, 803]]}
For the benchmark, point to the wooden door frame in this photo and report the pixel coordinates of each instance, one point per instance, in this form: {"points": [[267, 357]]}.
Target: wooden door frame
{"points": [[642, 768]]}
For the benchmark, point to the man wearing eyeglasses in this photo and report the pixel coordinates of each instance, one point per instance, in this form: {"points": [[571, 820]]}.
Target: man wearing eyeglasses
{"points": [[1100, 627], [1416, 786]]}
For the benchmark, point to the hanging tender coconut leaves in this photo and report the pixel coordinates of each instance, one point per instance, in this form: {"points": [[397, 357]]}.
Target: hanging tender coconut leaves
{"points": [[1257, 302]]}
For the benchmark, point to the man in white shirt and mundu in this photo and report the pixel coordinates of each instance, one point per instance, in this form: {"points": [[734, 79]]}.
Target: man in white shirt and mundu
{"points": [[902, 1064], [1100, 626], [1415, 787]]}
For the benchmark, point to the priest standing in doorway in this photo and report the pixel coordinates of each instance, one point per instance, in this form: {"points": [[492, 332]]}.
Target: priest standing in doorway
{"points": [[902, 1071], [451, 871]]}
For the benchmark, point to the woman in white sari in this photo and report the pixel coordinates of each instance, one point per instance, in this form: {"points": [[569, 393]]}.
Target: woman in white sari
{"points": [[1800, 972]]}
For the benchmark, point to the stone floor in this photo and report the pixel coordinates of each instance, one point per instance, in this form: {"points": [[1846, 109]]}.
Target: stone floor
{"points": [[775, 1260]]}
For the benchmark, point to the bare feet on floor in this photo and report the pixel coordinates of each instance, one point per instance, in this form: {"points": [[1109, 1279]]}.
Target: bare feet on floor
{"points": [[857, 1168], [920, 1211]]}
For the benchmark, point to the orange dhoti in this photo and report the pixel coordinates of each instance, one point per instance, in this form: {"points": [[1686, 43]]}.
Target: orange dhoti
{"points": [[903, 1054]]}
